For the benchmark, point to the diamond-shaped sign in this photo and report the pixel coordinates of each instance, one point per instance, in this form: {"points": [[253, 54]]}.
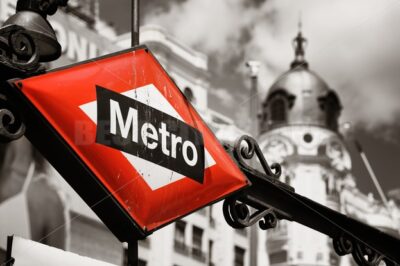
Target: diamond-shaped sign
{"points": [[127, 140]]}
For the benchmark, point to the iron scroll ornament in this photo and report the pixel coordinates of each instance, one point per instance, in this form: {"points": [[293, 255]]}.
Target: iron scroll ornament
{"points": [[11, 125], [238, 215], [237, 212], [362, 254], [23, 47], [19, 54], [245, 149]]}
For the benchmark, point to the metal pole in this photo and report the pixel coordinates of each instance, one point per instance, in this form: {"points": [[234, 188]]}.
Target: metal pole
{"points": [[372, 174], [254, 67], [133, 253], [135, 22], [133, 249], [254, 105]]}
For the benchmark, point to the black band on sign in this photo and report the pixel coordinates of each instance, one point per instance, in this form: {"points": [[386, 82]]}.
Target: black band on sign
{"points": [[138, 129]]}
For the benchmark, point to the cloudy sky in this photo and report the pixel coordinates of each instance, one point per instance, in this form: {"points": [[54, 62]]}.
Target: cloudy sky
{"points": [[353, 44]]}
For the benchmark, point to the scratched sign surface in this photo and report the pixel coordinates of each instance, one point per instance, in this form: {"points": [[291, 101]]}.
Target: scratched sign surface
{"points": [[136, 133]]}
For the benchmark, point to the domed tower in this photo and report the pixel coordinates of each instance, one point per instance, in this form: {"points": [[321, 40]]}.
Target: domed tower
{"points": [[299, 130], [300, 96]]}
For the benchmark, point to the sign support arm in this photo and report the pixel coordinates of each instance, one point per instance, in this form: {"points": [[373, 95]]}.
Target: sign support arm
{"points": [[274, 201]]}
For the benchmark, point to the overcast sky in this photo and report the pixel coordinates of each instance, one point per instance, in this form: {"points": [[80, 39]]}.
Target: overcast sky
{"points": [[353, 44]]}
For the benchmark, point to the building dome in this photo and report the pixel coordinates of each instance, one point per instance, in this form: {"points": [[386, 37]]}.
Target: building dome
{"points": [[300, 97]]}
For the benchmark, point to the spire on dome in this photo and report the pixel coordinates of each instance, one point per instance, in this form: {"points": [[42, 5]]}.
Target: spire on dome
{"points": [[299, 46]]}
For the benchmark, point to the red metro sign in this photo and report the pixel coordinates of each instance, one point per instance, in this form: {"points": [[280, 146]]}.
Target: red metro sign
{"points": [[127, 140]]}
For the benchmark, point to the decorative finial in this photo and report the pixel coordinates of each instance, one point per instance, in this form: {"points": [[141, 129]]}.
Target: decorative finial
{"points": [[299, 45]]}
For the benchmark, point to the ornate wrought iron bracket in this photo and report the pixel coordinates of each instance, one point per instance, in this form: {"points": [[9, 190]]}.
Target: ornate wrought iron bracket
{"points": [[26, 40], [11, 125], [19, 55], [268, 200], [238, 215], [243, 210], [362, 254]]}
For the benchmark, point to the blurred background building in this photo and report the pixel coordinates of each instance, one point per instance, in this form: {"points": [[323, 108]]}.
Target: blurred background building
{"points": [[298, 128]]}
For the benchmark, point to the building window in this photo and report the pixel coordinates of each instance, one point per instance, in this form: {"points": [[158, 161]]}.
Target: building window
{"points": [[180, 227], [332, 108], [197, 240], [179, 238], [331, 105], [197, 237], [278, 109], [239, 256]]}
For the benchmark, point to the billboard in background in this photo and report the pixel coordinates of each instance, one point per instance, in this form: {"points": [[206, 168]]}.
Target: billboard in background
{"points": [[79, 42]]}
